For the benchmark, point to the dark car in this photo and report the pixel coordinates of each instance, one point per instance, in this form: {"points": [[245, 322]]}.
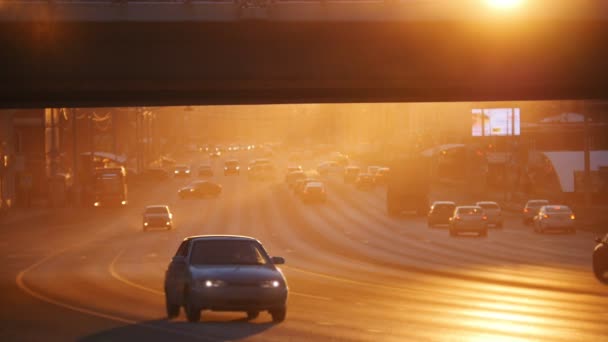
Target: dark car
{"points": [[231, 167], [351, 173], [600, 259], [469, 219], [293, 176], [200, 189], [381, 176], [225, 273], [300, 185], [181, 171], [205, 171], [314, 192], [154, 175], [440, 213], [365, 181]]}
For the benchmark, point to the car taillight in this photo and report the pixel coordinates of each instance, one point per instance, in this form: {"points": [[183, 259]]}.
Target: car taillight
{"points": [[457, 218], [484, 218], [545, 216], [526, 210]]}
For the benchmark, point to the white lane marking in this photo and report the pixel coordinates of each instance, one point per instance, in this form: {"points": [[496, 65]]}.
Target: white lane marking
{"points": [[375, 331], [19, 280], [115, 275], [305, 295]]}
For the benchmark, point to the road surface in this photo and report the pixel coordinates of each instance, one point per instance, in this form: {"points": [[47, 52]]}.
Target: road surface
{"points": [[354, 273]]}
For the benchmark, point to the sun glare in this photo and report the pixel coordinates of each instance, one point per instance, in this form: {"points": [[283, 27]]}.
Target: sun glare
{"points": [[504, 4]]}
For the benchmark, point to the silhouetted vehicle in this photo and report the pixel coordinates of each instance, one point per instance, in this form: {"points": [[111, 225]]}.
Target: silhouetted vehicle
{"points": [[493, 212], [205, 171], [110, 187], [261, 172], [200, 189], [365, 181], [380, 178], [225, 273], [531, 210], [314, 192], [554, 217], [231, 167], [325, 168], [600, 259], [181, 171], [293, 176], [294, 168], [373, 169], [155, 174], [469, 219], [157, 216], [351, 173], [300, 185], [408, 186], [440, 213]]}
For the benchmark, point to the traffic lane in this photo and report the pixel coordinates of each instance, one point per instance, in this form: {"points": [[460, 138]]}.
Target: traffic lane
{"points": [[336, 313], [36, 242], [412, 246]]}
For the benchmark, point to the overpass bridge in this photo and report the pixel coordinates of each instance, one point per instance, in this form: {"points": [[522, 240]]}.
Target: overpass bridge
{"points": [[79, 53]]}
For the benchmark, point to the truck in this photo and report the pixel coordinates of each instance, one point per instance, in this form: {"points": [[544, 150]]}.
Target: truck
{"points": [[408, 185]]}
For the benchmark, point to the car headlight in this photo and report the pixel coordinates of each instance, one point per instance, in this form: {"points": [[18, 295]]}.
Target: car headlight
{"points": [[168, 223], [238, 167], [176, 172], [145, 224], [191, 190], [123, 203], [270, 284], [208, 283], [187, 171], [96, 204]]}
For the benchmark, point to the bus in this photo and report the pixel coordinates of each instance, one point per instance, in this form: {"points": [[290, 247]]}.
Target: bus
{"points": [[110, 187]]}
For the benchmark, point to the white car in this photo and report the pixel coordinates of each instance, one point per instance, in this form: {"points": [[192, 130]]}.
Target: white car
{"points": [[373, 169], [554, 217], [157, 216], [493, 212], [329, 167], [469, 219], [531, 209]]}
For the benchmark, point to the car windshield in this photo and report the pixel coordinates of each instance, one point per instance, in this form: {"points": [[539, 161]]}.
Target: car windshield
{"points": [[227, 252], [489, 205], [156, 210], [558, 209], [470, 211], [537, 203]]}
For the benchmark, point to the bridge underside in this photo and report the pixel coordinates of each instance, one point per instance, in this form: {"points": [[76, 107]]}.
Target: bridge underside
{"points": [[176, 63]]}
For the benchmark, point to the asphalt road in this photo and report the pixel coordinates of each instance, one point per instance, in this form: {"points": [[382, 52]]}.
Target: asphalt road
{"points": [[354, 273]]}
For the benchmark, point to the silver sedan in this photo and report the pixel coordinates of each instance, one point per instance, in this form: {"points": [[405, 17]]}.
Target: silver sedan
{"points": [[225, 273]]}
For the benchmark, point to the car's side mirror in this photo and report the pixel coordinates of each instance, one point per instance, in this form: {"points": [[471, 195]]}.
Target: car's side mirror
{"points": [[179, 259], [278, 260]]}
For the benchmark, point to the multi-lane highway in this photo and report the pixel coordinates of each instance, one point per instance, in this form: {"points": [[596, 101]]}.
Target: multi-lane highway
{"points": [[354, 273]]}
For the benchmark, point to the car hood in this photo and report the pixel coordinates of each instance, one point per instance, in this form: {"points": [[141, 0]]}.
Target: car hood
{"points": [[235, 273]]}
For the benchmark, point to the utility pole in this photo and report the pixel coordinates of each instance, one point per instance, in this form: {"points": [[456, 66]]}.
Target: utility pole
{"points": [[75, 159], [114, 131], [587, 157]]}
